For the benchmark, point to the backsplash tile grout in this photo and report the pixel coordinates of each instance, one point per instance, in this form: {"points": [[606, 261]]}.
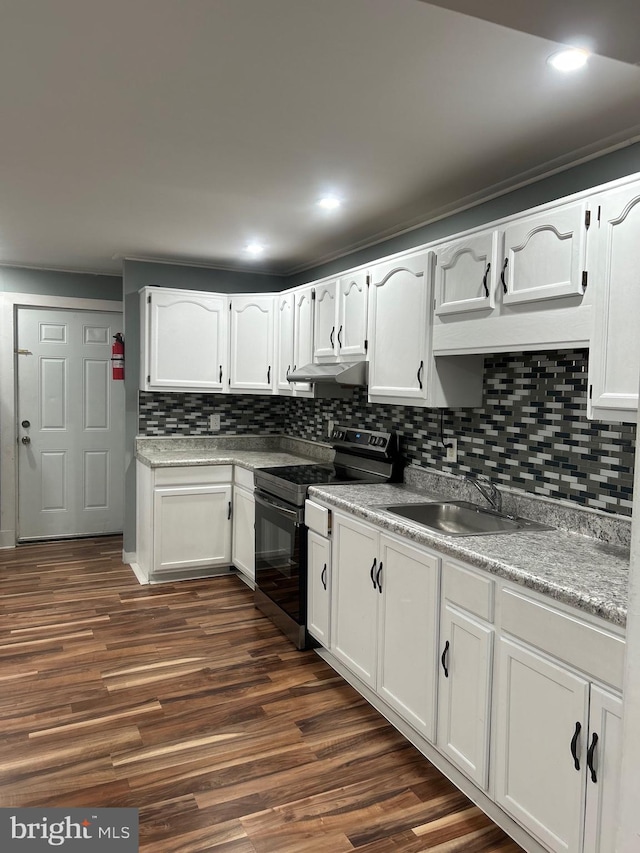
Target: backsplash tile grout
{"points": [[531, 433]]}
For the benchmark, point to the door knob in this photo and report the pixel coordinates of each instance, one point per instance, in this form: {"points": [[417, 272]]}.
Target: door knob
{"points": [[25, 439]]}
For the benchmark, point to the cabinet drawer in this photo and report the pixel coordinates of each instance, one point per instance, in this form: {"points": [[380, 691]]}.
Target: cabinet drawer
{"points": [[591, 649], [187, 475], [317, 518], [468, 590], [243, 477]]}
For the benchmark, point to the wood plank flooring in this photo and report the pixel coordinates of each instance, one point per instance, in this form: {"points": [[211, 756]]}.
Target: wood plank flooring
{"points": [[184, 701]]}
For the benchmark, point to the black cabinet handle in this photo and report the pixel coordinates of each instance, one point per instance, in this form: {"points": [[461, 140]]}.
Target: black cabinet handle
{"points": [[419, 374], [333, 329], [269, 374], [288, 371], [229, 511], [484, 280], [323, 576], [220, 377], [502, 274], [574, 746], [443, 659], [373, 568], [339, 338], [379, 578], [590, 753]]}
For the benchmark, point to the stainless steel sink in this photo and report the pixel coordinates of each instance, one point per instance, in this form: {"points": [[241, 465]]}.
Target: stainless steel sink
{"points": [[462, 518]]}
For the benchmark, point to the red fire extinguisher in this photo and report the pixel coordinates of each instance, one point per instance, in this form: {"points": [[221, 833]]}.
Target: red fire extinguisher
{"points": [[117, 356]]}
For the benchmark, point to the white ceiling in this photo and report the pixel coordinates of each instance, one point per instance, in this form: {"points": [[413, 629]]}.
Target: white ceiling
{"points": [[182, 129]]}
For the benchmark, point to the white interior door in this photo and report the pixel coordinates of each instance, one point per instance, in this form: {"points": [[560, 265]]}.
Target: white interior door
{"points": [[70, 424]]}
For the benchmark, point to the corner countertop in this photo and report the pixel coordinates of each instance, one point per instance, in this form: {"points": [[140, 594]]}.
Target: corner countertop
{"points": [[583, 572], [251, 459]]}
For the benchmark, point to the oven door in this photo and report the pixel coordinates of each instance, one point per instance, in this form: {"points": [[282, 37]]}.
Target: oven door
{"points": [[281, 564]]}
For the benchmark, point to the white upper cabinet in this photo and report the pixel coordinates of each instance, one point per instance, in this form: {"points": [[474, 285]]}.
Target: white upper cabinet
{"points": [[614, 358], [544, 255], [340, 325], [401, 367], [466, 274], [284, 341], [251, 362], [399, 325], [325, 346], [183, 340], [302, 333], [521, 286]]}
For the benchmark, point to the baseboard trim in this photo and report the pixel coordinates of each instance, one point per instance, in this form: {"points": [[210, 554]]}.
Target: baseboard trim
{"points": [[7, 539]]}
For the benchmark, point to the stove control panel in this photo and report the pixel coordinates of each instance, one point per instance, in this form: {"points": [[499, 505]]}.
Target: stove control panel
{"points": [[350, 438]]}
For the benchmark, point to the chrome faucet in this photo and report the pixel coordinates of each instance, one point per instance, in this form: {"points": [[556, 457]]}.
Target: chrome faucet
{"points": [[487, 489]]}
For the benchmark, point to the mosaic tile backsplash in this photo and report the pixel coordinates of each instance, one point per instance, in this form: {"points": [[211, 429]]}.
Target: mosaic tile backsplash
{"points": [[531, 432]]}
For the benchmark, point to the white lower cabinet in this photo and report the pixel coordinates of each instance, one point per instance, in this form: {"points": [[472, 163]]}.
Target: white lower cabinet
{"points": [[464, 689], [550, 773], [527, 691], [243, 550], [384, 618], [318, 587]]}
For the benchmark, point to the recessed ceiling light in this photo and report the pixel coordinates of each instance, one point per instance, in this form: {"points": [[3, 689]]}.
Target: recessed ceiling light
{"points": [[570, 59], [329, 202], [254, 249]]}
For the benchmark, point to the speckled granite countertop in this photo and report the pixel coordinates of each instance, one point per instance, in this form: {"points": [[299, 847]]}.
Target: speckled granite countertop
{"points": [[247, 451], [581, 571]]}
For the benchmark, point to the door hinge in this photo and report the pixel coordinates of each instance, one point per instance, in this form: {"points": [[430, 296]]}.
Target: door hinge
{"points": [[366, 345], [149, 299], [313, 295], [585, 275], [591, 392], [599, 211], [368, 280], [587, 218]]}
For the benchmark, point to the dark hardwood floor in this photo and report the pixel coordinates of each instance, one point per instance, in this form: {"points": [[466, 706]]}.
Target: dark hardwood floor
{"points": [[182, 700]]}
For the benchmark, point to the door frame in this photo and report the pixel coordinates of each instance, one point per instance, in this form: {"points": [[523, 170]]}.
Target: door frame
{"points": [[9, 305]]}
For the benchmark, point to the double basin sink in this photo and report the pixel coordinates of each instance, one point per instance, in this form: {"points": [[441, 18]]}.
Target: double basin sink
{"points": [[462, 518]]}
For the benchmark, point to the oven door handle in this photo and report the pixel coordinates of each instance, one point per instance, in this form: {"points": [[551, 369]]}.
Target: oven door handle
{"points": [[291, 513]]}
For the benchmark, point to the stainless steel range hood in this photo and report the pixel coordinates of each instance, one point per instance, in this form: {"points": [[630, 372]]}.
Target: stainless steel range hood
{"points": [[349, 374]]}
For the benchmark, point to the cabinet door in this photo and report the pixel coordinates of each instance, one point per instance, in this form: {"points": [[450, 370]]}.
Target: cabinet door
{"points": [[252, 343], [353, 298], [319, 587], [614, 357], [186, 337], [191, 527], [464, 692], [465, 275], [545, 255], [284, 342], [603, 771], [303, 333], [407, 580], [243, 516], [354, 616], [325, 345], [542, 711], [400, 296]]}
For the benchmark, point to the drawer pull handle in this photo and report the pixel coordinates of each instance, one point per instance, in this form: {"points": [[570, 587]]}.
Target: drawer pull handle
{"points": [[220, 377], [339, 336], [229, 511], [502, 274], [379, 578], [269, 375], [333, 331], [419, 374], [574, 746], [323, 576], [373, 568], [590, 754], [484, 280], [443, 659]]}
